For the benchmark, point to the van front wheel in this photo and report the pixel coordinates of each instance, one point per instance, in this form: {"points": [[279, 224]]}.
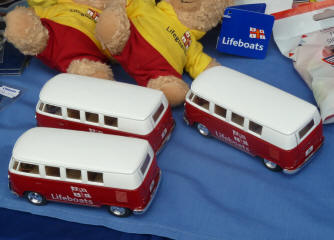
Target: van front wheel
{"points": [[203, 130], [36, 198], [271, 166], [120, 211]]}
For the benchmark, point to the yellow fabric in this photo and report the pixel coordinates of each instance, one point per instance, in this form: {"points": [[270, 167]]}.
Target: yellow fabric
{"points": [[42, 3], [159, 25], [77, 16]]}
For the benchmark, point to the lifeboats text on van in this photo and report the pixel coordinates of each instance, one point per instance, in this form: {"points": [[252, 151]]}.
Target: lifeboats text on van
{"points": [[239, 140], [80, 196]]}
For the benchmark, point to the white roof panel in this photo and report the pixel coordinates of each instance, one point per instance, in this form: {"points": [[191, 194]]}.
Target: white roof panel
{"points": [[253, 99], [81, 150], [101, 96]]}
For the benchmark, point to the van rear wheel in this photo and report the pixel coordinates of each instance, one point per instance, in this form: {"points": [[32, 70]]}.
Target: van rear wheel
{"points": [[120, 211], [271, 166], [36, 198], [203, 130]]}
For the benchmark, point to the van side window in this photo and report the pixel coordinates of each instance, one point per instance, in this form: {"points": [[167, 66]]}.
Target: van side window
{"points": [[92, 117], [157, 114], [220, 111], [95, 176], [145, 164], [201, 102], [110, 121], [52, 171], [254, 127], [303, 132], [72, 113], [52, 109], [29, 168], [236, 118], [73, 174]]}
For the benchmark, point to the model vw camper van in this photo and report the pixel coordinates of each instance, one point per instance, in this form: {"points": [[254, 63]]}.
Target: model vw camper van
{"points": [[96, 105], [85, 168], [255, 117]]}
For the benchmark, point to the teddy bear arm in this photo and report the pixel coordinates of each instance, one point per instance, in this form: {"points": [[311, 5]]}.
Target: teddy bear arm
{"points": [[213, 63], [25, 31], [90, 68], [113, 29], [175, 89]]}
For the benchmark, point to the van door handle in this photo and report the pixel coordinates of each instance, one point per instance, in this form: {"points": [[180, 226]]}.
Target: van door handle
{"points": [[61, 124]]}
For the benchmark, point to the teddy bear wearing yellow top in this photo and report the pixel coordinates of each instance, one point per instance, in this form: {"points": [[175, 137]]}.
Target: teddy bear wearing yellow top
{"points": [[62, 34], [155, 42]]}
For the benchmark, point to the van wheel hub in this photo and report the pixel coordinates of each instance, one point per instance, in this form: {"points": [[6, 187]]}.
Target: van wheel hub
{"points": [[119, 211], [203, 130], [271, 165], [36, 198]]}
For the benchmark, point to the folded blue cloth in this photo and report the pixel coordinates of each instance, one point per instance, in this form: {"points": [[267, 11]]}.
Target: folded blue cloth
{"points": [[209, 190]]}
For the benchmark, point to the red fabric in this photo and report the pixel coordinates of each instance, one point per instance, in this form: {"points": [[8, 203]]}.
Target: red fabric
{"points": [[142, 61], [67, 44]]}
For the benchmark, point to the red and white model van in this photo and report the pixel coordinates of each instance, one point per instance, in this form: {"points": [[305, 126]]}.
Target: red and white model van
{"points": [[90, 104], [84, 168], [255, 117]]}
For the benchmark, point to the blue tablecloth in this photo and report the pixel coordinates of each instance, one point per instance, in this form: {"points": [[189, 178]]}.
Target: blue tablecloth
{"points": [[209, 190], [40, 228]]}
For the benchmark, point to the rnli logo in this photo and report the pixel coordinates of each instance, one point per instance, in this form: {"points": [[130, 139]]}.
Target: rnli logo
{"points": [[329, 60], [328, 55], [186, 39], [93, 14], [256, 33]]}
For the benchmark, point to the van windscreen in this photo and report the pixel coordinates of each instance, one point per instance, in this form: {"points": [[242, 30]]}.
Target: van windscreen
{"points": [[52, 109]]}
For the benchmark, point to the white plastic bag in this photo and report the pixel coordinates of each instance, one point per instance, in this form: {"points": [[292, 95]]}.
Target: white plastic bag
{"points": [[272, 5], [306, 35]]}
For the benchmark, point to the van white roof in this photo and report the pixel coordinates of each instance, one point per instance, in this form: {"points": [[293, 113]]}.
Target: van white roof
{"points": [[101, 96], [253, 99], [81, 150]]}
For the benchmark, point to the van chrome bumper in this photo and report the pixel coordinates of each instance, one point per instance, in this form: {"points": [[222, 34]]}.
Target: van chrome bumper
{"points": [[11, 188], [141, 211]]}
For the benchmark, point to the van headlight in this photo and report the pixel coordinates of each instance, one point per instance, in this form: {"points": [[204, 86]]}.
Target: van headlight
{"points": [[9, 185], [152, 185]]}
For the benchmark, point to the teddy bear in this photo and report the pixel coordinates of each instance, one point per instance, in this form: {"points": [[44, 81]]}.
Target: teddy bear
{"points": [[61, 33], [154, 41]]}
